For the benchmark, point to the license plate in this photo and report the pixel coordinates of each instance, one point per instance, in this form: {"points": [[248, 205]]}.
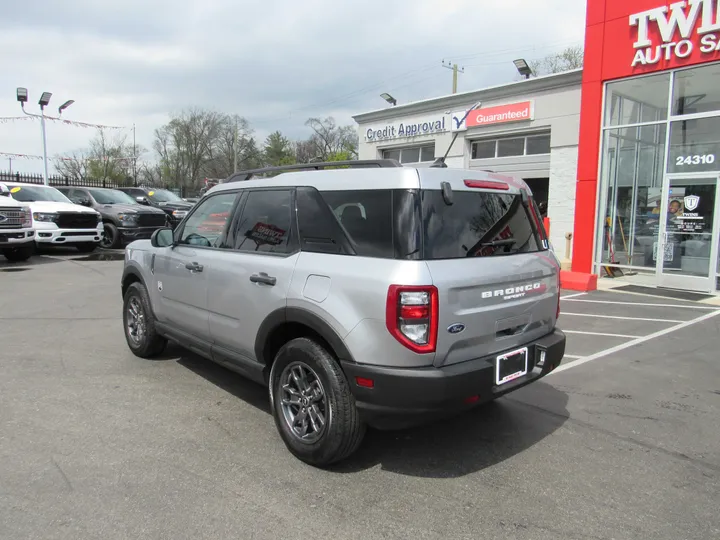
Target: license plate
{"points": [[510, 366]]}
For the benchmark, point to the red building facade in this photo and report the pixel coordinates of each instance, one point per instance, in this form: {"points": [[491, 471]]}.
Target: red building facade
{"points": [[650, 114]]}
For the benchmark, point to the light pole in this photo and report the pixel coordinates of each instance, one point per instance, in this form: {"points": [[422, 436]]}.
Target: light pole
{"points": [[22, 97]]}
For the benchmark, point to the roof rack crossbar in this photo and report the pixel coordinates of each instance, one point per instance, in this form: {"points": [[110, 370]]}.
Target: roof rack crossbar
{"points": [[356, 164]]}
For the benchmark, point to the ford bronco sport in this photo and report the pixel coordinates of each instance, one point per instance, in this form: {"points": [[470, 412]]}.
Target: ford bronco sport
{"points": [[368, 295]]}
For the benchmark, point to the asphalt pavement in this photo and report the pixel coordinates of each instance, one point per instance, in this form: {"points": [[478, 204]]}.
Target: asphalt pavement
{"points": [[623, 441]]}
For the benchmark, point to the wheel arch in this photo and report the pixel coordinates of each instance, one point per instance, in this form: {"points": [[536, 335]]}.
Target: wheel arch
{"points": [[130, 276], [285, 324]]}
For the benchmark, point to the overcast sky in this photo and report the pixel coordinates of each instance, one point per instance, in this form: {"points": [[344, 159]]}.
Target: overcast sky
{"points": [[276, 62]]}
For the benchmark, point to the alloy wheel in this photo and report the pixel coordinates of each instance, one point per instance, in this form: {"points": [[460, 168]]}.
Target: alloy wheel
{"points": [[303, 402]]}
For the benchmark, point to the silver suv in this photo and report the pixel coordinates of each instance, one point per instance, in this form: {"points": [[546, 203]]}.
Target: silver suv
{"points": [[368, 294]]}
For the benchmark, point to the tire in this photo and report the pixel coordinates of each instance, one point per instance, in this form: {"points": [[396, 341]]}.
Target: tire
{"points": [[342, 432], [111, 237], [87, 247], [18, 254], [149, 343]]}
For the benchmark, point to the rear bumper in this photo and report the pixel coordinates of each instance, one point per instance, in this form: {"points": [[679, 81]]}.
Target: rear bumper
{"points": [[407, 396]]}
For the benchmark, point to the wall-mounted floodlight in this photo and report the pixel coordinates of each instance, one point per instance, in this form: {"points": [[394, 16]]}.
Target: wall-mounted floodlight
{"points": [[65, 105], [45, 99], [387, 97], [523, 67], [22, 95]]}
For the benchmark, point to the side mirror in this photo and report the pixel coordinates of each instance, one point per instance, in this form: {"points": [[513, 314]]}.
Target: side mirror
{"points": [[84, 202], [162, 238], [141, 200]]}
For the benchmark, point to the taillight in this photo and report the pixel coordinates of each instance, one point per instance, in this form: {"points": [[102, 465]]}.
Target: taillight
{"points": [[27, 217], [487, 184], [557, 312], [411, 316]]}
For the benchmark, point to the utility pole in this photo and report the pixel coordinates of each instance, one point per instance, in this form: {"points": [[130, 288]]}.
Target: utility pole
{"points": [[235, 145], [134, 159], [455, 70], [10, 162]]}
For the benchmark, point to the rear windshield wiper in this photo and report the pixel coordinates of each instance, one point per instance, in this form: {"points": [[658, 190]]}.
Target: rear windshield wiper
{"points": [[503, 242]]}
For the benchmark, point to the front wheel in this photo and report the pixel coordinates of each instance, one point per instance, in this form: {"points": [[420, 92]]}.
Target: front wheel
{"points": [[18, 254], [139, 323], [312, 405], [111, 236], [86, 247]]}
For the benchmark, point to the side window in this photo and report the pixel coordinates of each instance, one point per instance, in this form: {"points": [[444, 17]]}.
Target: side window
{"points": [[265, 223], [205, 226], [318, 230], [367, 217]]}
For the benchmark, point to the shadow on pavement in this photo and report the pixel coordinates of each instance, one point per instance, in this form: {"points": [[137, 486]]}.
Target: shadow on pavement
{"points": [[454, 447]]}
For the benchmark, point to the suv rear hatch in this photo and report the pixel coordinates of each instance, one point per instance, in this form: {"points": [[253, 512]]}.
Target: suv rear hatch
{"points": [[488, 256]]}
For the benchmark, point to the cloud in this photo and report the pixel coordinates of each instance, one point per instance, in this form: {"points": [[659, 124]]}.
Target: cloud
{"points": [[275, 62]]}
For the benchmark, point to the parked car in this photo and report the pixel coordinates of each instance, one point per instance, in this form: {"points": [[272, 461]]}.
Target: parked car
{"points": [[433, 291], [17, 237], [163, 199], [56, 220], [124, 220]]}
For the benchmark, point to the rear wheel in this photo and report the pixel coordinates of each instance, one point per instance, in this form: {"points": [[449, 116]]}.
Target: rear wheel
{"points": [[18, 254], [312, 405], [111, 236], [139, 323]]}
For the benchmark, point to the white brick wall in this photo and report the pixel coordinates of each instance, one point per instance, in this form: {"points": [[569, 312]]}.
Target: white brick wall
{"points": [[561, 197]]}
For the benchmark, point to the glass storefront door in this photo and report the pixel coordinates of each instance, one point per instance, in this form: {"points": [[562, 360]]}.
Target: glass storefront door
{"points": [[685, 235]]}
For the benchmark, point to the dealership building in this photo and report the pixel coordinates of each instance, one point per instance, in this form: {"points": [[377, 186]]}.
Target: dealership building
{"points": [[624, 151]]}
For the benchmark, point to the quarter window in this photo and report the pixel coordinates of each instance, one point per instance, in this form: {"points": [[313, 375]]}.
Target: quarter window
{"points": [[206, 225]]}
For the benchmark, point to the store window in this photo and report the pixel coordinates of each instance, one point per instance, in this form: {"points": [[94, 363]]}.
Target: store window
{"points": [[511, 146], [696, 90], [637, 100], [632, 174], [411, 154], [694, 145]]}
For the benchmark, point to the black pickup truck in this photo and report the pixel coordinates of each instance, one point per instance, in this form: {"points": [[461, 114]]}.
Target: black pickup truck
{"points": [[124, 220], [165, 200]]}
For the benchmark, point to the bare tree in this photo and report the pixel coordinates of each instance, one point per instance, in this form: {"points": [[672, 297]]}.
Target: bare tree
{"points": [[570, 58], [329, 139], [110, 158], [73, 166]]}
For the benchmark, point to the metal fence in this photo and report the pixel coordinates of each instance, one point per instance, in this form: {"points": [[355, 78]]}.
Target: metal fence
{"points": [[60, 181]]}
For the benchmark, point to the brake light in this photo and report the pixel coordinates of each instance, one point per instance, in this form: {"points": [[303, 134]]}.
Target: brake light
{"points": [[411, 316], [487, 184]]}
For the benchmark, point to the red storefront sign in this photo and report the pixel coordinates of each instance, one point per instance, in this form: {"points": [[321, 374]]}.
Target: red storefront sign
{"points": [[625, 38], [501, 114]]}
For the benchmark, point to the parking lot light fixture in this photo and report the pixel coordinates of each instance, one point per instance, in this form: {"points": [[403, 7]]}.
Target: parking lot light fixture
{"points": [[44, 99], [65, 105], [523, 68], [22, 96], [387, 97]]}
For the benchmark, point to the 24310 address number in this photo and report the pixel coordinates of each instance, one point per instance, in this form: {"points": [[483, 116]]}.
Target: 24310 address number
{"points": [[698, 159]]}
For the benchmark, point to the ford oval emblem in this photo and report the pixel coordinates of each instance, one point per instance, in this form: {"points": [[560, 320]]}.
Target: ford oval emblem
{"points": [[456, 328]]}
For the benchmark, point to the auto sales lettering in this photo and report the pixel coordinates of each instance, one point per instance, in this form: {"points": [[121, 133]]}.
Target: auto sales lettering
{"points": [[684, 28], [406, 130]]}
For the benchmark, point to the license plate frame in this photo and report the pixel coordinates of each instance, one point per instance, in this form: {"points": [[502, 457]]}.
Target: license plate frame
{"points": [[516, 364]]}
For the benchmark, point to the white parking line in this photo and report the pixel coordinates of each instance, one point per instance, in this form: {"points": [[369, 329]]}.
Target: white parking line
{"points": [[619, 318], [573, 295], [599, 334], [638, 304], [634, 342], [572, 356]]}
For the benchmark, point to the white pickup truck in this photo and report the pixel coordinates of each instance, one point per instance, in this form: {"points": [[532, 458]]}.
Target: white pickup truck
{"points": [[17, 236]]}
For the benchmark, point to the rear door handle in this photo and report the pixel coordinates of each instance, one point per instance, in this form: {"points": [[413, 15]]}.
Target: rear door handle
{"points": [[194, 267], [262, 277]]}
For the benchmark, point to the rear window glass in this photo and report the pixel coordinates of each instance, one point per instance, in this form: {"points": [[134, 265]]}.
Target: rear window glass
{"points": [[381, 223], [479, 224]]}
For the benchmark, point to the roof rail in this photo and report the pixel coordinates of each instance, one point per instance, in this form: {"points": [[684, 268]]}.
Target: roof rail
{"points": [[359, 164]]}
